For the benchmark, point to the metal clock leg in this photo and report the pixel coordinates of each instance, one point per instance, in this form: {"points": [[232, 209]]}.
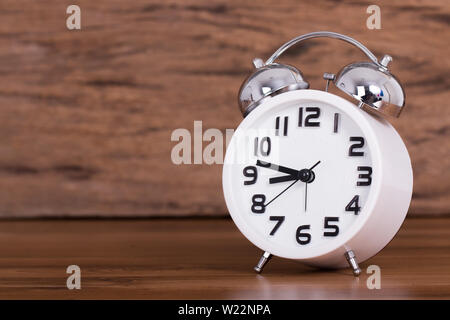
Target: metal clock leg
{"points": [[351, 258], [262, 262]]}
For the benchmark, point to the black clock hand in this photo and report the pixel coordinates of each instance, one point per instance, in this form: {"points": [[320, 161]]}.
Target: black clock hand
{"points": [[282, 179], [306, 194], [303, 175], [292, 173], [282, 192], [314, 165], [310, 180], [276, 167]]}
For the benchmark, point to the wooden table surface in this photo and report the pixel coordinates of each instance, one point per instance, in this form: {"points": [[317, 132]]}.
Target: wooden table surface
{"points": [[202, 259]]}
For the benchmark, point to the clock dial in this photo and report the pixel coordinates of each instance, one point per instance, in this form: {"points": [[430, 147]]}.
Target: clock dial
{"points": [[300, 173]]}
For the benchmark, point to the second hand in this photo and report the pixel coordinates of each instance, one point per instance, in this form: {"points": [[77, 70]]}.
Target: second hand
{"points": [[282, 192], [306, 185], [306, 194]]}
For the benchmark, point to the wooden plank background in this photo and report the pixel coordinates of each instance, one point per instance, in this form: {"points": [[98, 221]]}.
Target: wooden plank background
{"points": [[86, 116]]}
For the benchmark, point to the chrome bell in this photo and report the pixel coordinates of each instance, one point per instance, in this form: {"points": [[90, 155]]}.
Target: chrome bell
{"points": [[373, 85], [268, 81]]}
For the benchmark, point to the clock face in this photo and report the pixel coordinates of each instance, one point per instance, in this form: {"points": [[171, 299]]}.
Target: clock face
{"points": [[298, 175]]}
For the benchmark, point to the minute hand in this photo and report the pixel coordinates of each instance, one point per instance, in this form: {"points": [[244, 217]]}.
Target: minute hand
{"points": [[290, 177], [276, 167]]}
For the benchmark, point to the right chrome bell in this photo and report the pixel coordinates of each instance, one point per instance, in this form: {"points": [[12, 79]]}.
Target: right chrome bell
{"points": [[373, 85]]}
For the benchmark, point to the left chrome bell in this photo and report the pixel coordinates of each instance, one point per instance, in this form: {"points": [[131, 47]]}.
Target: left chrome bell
{"points": [[268, 81]]}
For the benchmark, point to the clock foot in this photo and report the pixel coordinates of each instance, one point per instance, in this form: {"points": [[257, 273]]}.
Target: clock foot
{"points": [[351, 258], [262, 262]]}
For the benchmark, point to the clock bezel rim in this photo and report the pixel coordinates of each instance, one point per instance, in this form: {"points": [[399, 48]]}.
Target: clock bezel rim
{"points": [[360, 119]]}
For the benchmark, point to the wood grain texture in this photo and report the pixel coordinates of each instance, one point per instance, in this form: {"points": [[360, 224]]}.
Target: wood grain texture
{"points": [[86, 116], [203, 259]]}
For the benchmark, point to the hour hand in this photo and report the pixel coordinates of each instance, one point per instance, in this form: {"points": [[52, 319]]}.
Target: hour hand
{"points": [[283, 179], [291, 172]]}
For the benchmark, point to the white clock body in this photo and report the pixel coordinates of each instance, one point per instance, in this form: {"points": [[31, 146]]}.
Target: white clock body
{"points": [[357, 200]]}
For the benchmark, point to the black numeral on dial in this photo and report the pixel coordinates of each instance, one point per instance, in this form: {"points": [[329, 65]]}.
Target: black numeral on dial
{"points": [[258, 205], [367, 176], [262, 147], [336, 123], [359, 144], [353, 205], [279, 220], [311, 114], [284, 125], [302, 236], [250, 172], [328, 225]]}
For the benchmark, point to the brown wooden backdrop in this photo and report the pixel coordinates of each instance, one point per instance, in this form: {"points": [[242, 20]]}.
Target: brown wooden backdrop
{"points": [[86, 116]]}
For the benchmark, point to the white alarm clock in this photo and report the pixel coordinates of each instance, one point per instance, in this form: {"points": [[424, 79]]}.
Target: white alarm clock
{"points": [[311, 176]]}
